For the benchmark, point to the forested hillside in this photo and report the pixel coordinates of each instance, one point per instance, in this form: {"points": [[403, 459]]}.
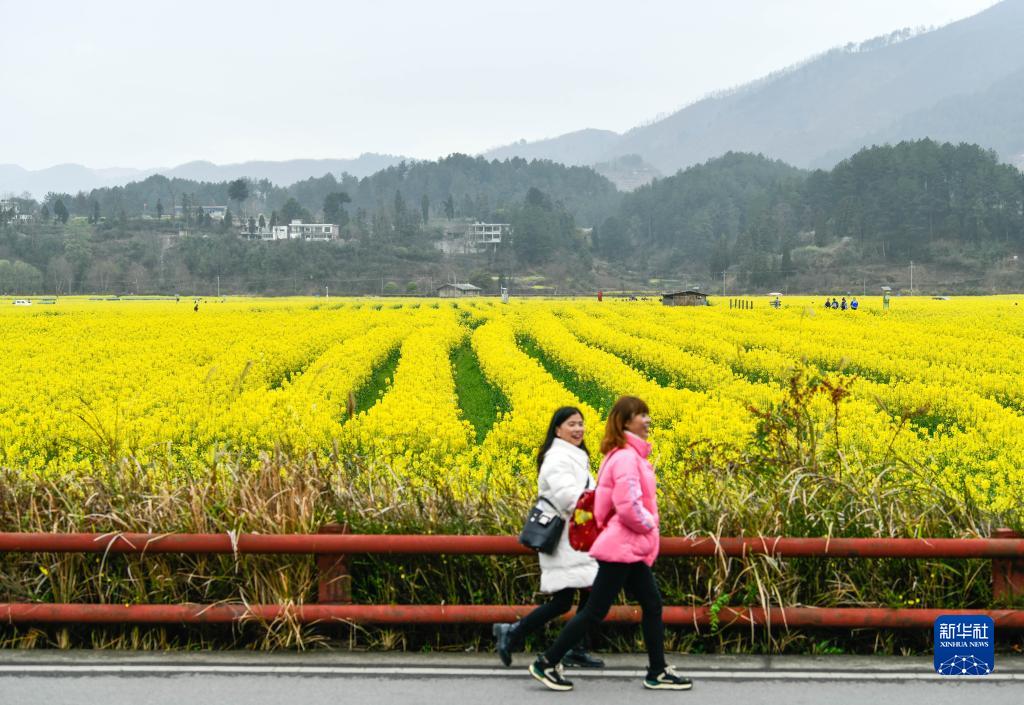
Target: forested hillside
{"points": [[459, 186], [758, 221], [922, 200]]}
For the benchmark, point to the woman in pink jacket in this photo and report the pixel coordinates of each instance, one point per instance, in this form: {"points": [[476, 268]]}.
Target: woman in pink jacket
{"points": [[626, 506]]}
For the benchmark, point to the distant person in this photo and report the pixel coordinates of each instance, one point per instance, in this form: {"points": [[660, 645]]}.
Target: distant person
{"points": [[828, 302], [626, 506], [885, 301], [196, 307], [563, 473], [600, 295], [835, 303], [853, 303], [842, 306]]}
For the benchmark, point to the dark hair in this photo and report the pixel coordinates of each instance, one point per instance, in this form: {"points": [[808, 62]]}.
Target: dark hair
{"points": [[625, 408], [561, 415]]}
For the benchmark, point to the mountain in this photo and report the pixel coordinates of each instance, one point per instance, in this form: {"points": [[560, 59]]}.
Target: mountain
{"points": [[992, 117], [962, 82], [573, 149], [62, 178], [628, 172], [283, 173], [72, 178]]}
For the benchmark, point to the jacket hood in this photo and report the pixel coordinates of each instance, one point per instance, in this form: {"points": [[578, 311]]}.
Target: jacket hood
{"points": [[559, 445], [638, 444]]}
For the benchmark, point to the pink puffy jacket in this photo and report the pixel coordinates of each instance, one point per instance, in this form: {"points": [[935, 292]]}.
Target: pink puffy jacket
{"points": [[626, 505]]}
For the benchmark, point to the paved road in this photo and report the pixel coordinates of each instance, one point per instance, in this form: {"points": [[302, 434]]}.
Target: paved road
{"points": [[87, 678]]}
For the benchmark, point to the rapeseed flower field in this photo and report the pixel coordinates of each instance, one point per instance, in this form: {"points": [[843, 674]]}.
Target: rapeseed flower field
{"points": [[279, 415], [934, 385]]}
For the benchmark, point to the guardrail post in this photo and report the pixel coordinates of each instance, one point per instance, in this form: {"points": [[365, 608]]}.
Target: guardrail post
{"points": [[335, 585], [1007, 573]]}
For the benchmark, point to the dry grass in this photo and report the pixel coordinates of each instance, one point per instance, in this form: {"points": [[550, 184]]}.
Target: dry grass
{"points": [[785, 487]]}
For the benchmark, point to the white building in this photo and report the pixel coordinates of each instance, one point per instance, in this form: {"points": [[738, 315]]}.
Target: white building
{"points": [[473, 237], [256, 232], [13, 212], [214, 212], [481, 235], [297, 230]]}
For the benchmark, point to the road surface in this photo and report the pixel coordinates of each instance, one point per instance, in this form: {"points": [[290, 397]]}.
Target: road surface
{"points": [[112, 678]]}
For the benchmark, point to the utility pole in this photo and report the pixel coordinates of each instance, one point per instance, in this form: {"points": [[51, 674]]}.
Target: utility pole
{"points": [[723, 284], [911, 277], [327, 287], [218, 286]]}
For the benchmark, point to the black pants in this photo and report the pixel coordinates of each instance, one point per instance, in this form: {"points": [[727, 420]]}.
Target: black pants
{"points": [[638, 580], [559, 604]]}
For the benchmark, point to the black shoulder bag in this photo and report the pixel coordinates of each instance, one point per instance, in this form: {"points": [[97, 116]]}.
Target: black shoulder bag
{"points": [[543, 527]]}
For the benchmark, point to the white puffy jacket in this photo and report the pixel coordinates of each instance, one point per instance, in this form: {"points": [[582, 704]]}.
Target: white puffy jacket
{"points": [[564, 474]]}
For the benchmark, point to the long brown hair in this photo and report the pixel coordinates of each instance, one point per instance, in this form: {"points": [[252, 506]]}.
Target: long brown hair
{"points": [[625, 408]]}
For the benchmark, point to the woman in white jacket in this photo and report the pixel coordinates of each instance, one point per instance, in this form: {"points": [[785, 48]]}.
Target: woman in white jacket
{"points": [[563, 473]]}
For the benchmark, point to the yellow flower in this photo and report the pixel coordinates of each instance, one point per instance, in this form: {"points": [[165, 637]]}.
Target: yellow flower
{"points": [[936, 384]]}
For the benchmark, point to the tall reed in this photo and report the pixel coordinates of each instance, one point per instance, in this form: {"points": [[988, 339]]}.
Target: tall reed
{"points": [[793, 481]]}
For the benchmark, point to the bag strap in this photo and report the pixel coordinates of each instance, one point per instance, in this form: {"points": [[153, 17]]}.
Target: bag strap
{"points": [[542, 498]]}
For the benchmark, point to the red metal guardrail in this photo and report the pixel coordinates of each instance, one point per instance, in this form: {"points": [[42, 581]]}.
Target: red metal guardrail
{"points": [[332, 547]]}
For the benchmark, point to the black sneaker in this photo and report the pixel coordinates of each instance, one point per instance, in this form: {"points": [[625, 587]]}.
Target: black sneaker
{"points": [[503, 642], [667, 680], [579, 658], [550, 676]]}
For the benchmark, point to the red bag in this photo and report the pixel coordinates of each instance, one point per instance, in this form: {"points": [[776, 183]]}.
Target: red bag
{"points": [[583, 529]]}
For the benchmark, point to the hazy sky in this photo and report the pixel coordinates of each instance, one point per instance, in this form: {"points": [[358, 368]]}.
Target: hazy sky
{"points": [[143, 84]]}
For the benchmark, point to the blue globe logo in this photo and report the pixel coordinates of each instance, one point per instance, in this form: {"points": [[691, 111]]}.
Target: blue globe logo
{"points": [[964, 666]]}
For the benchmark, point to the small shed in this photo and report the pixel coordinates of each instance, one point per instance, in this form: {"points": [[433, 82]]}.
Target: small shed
{"points": [[685, 298], [451, 291]]}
